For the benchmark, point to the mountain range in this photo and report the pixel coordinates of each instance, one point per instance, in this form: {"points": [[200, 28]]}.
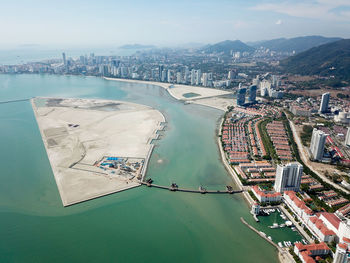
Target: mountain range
{"points": [[226, 47], [297, 44], [332, 59]]}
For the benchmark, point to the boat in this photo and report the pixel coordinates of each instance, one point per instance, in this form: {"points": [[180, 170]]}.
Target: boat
{"points": [[289, 223], [280, 244], [275, 225], [269, 237], [282, 225]]}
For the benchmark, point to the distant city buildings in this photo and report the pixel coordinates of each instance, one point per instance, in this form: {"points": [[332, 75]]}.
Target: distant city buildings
{"points": [[317, 144], [288, 177], [324, 103]]}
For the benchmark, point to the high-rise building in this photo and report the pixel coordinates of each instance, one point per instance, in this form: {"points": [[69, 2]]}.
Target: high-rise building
{"points": [[231, 75], [178, 77], [318, 141], [198, 77], [252, 94], [341, 253], [187, 73], [324, 102], [347, 138], [170, 76], [205, 79], [164, 75], [64, 58], [160, 70], [193, 77], [241, 96], [288, 177]]}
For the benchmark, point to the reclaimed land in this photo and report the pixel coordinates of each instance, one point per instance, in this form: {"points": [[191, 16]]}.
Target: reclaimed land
{"points": [[78, 133]]}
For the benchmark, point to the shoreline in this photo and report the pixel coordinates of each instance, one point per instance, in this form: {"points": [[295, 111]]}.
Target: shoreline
{"points": [[227, 166], [205, 96]]}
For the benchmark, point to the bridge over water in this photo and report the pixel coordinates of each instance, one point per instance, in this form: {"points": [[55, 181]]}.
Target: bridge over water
{"points": [[174, 187]]}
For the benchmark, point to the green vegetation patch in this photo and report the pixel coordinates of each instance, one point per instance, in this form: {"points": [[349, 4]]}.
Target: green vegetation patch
{"points": [[190, 95]]}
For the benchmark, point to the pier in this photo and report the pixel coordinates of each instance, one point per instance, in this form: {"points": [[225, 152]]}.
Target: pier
{"points": [[10, 101], [175, 188]]}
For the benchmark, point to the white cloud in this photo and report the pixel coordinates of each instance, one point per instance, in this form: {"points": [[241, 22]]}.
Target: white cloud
{"points": [[279, 22], [319, 9]]}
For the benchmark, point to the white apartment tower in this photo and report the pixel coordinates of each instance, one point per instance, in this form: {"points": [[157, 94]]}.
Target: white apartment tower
{"points": [[288, 177], [198, 77], [347, 138], [324, 102], [340, 254], [318, 141]]}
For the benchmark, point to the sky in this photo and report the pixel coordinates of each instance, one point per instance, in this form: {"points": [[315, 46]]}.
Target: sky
{"points": [[166, 23]]}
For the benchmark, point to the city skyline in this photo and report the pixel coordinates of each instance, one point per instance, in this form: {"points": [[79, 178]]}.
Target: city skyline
{"points": [[168, 23]]}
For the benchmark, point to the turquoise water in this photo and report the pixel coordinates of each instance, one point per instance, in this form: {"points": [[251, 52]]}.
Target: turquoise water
{"points": [[139, 225]]}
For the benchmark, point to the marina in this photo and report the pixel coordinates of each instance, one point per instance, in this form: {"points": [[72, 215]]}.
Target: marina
{"points": [[273, 223]]}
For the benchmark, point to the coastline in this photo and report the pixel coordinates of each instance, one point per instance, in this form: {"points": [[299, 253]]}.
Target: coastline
{"points": [[209, 97], [229, 169]]}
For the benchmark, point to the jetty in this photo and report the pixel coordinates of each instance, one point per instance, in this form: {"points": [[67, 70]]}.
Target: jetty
{"points": [[201, 190], [10, 101]]}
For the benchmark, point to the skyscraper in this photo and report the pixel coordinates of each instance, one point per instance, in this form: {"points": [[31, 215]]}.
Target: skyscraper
{"points": [[178, 77], [170, 76], [205, 79], [160, 70], [347, 138], [252, 94], [318, 141], [241, 96], [193, 77], [288, 177], [324, 102], [64, 58], [198, 77]]}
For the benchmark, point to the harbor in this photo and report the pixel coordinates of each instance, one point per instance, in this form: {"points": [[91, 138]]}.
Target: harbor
{"points": [[276, 226]]}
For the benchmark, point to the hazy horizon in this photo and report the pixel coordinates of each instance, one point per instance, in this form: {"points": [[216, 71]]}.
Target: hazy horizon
{"points": [[164, 23]]}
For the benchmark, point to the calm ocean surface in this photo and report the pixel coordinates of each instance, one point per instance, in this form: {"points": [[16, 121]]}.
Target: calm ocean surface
{"points": [[138, 225]]}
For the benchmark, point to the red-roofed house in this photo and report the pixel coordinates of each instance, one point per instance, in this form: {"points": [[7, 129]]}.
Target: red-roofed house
{"points": [[265, 196], [306, 253], [306, 215]]}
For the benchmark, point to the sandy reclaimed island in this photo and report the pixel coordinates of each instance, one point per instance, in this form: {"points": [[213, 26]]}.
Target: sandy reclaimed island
{"points": [[96, 147], [210, 97]]}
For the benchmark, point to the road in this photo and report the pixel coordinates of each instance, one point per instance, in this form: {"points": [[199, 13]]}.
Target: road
{"points": [[307, 161]]}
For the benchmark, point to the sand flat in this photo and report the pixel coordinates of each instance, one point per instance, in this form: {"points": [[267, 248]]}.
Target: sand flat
{"points": [[179, 92], [79, 133], [210, 97]]}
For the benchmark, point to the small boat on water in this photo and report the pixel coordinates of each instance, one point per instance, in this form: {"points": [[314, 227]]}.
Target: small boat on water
{"points": [[282, 225], [280, 244], [275, 225], [269, 237]]}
